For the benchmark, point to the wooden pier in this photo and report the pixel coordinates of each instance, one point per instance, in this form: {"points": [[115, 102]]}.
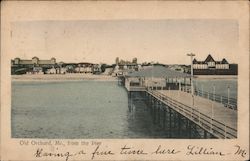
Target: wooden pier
{"points": [[211, 116], [170, 97]]}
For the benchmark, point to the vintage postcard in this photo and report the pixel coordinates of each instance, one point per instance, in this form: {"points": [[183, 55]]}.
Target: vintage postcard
{"points": [[124, 80]]}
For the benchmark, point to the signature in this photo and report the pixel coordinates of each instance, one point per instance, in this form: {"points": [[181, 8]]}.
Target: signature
{"points": [[199, 150], [240, 151]]}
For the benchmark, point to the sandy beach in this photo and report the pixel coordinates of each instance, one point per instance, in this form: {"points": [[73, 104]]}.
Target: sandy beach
{"points": [[78, 76], [62, 77]]}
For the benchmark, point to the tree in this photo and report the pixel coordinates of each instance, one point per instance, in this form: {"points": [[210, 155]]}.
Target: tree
{"points": [[134, 60], [103, 67], [117, 60], [122, 62]]}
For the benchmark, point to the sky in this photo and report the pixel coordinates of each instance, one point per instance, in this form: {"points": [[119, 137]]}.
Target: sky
{"points": [[101, 41]]}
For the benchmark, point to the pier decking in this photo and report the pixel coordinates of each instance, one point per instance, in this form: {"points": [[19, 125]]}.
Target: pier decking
{"points": [[214, 114], [209, 115]]}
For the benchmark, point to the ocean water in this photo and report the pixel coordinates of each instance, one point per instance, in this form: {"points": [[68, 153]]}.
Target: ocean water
{"points": [[77, 109], [82, 109], [221, 86]]}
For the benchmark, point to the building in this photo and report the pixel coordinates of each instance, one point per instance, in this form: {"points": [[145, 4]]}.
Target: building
{"points": [[211, 67], [57, 70], [124, 69], [35, 61], [35, 70], [210, 63], [157, 77], [22, 66], [84, 68], [96, 69]]}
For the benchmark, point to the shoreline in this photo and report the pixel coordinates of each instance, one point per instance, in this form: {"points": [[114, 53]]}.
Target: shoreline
{"points": [[91, 77], [62, 77]]}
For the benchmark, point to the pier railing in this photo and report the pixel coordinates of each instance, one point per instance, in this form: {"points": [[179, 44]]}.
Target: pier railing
{"points": [[226, 101], [208, 123]]}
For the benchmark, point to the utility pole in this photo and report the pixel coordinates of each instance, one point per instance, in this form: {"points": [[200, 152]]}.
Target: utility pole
{"points": [[192, 88], [191, 56]]}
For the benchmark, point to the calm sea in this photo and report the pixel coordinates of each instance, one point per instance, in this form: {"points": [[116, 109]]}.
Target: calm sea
{"points": [[80, 109], [220, 85]]}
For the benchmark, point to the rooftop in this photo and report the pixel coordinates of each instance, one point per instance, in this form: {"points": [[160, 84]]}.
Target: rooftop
{"points": [[158, 72]]}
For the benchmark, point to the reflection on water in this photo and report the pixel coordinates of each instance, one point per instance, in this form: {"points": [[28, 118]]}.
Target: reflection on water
{"points": [[86, 109]]}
